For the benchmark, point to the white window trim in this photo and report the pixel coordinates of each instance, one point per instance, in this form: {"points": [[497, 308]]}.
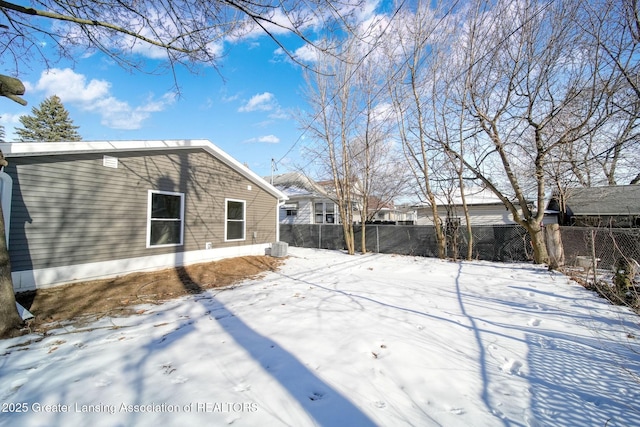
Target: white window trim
{"points": [[149, 212], [325, 212], [244, 219]]}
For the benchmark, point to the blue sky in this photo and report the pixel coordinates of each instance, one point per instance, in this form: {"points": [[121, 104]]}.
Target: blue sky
{"points": [[247, 108]]}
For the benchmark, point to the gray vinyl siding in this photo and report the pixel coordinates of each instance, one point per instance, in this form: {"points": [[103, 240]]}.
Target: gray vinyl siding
{"points": [[70, 209]]}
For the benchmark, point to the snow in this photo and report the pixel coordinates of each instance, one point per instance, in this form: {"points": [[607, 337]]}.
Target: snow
{"points": [[339, 340]]}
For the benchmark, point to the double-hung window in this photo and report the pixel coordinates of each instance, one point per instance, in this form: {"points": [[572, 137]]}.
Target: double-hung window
{"points": [[235, 224], [165, 223], [324, 213]]}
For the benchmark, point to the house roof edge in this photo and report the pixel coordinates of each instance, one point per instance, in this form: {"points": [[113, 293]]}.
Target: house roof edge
{"points": [[29, 149]]}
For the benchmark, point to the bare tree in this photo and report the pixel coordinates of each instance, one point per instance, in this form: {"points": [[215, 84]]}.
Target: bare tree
{"points": [[532, 90], [178, 32], [409, 88], [613, 27], [186, 32], [450, 125], [329, 120], [608, 154], [350, 119], [374, 155]]}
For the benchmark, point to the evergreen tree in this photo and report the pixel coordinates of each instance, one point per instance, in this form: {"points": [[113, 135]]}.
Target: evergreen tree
{"points": [[49, 123]]}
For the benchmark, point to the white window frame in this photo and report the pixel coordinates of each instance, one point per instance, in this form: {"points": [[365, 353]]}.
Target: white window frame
{"points": [[324, 213], [150, 219], [244, 219], [291, 209]]}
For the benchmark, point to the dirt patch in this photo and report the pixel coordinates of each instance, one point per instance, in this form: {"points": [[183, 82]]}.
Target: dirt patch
{"points": [[83, 302]]}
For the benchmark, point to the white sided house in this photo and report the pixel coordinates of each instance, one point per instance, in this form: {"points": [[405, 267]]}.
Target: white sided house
{"points": [[308, 202], [88, 210], [485, 208]]}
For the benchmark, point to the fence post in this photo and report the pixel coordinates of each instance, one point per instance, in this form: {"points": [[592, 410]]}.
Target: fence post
{"points": [[554, 246], [319, 236], [377, 240]]}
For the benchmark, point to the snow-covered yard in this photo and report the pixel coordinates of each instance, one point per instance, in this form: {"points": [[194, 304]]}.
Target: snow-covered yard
{"points": [[338, 340]]}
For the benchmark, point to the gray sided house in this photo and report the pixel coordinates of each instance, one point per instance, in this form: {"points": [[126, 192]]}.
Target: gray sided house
{"points": [[609, 206], [89, 210]]}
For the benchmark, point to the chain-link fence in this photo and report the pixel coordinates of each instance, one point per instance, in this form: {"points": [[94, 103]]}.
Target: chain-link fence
{"points": [[607, 245], [603, 259], [606, 261], [492, 243]]}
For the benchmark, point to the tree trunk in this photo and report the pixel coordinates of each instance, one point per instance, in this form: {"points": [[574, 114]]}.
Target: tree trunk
{"points": [[554, 246], [536, 232], [10, 320]]}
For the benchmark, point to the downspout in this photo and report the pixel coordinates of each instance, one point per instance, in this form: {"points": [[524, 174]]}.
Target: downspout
{"points": [[279, 204], [6, 188]]}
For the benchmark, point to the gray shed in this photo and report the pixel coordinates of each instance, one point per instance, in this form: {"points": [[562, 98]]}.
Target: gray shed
{"points": [[614, 205]]}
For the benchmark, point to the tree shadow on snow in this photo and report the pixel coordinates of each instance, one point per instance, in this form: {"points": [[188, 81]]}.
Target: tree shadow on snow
{"points": [[571, 379], [324, 404], [583, 381]]}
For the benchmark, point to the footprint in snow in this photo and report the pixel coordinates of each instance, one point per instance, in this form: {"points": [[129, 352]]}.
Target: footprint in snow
{"points": [[380, 405], [316, 395], [546, 343], [498, 413], [167, 368], [179, 380], [103, 382], [15, 386], [512, 367], [456, 411], [534, 322], [242, 387], [530, 421]]}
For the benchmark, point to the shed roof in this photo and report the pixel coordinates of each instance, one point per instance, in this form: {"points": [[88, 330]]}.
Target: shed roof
{"points": [[609, 200], [30, 149]]}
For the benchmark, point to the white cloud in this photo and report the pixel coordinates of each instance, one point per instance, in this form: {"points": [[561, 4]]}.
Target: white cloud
{"points": [[267, 139], [95, 97], [71, 86], [261, 102], [10, 121], [307, 53]]}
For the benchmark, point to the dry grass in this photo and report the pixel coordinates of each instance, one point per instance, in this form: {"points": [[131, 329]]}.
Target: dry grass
{"points": [[83, 302]]}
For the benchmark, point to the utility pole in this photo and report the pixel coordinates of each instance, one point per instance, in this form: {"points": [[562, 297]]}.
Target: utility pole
{"points": [[274, 166]]}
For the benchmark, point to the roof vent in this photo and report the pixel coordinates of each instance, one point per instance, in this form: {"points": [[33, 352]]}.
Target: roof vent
{"points": [[110, 162]]}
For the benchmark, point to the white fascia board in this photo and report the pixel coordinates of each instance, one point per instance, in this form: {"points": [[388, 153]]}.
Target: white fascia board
{"points": [[24, 149]]}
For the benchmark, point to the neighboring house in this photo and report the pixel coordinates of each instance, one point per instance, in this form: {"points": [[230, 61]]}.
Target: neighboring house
{"points": [[485, 208], [312, 202], [387, 213], [88, 210], [610, 206], [308, 202], [356, 197]]}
